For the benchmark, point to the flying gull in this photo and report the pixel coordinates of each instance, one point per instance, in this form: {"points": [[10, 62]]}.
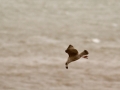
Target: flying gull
{"points": [[74, 55]]}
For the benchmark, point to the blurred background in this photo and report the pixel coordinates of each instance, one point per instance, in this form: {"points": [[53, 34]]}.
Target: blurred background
{"points": [[35, 33]]}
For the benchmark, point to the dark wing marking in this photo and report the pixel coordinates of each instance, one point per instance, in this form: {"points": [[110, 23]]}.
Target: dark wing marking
{"points": [[85, 52], [71, 51]]}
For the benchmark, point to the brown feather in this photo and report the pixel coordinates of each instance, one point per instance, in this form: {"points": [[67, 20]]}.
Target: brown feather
{"points": [[71, 51]]}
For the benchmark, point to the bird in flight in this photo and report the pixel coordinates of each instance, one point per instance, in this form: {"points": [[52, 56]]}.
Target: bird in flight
{"points": [[74, 55]]}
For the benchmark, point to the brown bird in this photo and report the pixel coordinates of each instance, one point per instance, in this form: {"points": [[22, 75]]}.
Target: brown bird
{"points": [[74, 55]]}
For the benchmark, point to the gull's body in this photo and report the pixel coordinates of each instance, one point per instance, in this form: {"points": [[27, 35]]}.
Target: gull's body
{"points": [[74, 55]]}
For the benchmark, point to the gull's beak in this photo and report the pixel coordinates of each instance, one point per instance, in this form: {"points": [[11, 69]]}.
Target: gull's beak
{"points": [[66, 65]]}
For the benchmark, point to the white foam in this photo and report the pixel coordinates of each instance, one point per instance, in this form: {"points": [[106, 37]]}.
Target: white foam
{"points": [[114, 24], [96, 40]]}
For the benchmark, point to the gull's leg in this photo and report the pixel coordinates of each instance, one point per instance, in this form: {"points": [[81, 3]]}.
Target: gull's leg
{"points": [[85, 57]]}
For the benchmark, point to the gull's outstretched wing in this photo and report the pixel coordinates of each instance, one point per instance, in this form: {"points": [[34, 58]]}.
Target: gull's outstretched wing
{"points": [[71, 51], [85, 52]]}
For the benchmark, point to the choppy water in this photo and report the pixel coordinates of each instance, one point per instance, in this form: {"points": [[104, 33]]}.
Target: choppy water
{"points": [[34, 35]]}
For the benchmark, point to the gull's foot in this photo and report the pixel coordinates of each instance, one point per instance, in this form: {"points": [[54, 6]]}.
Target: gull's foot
{"points": [[85, 57]]}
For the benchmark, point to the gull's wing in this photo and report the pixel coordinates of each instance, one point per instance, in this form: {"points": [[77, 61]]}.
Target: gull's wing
{"points": [[71, 51], [85, 52]]}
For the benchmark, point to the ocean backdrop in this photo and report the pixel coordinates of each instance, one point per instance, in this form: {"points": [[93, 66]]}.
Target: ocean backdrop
{"points": [[35, 33]]}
